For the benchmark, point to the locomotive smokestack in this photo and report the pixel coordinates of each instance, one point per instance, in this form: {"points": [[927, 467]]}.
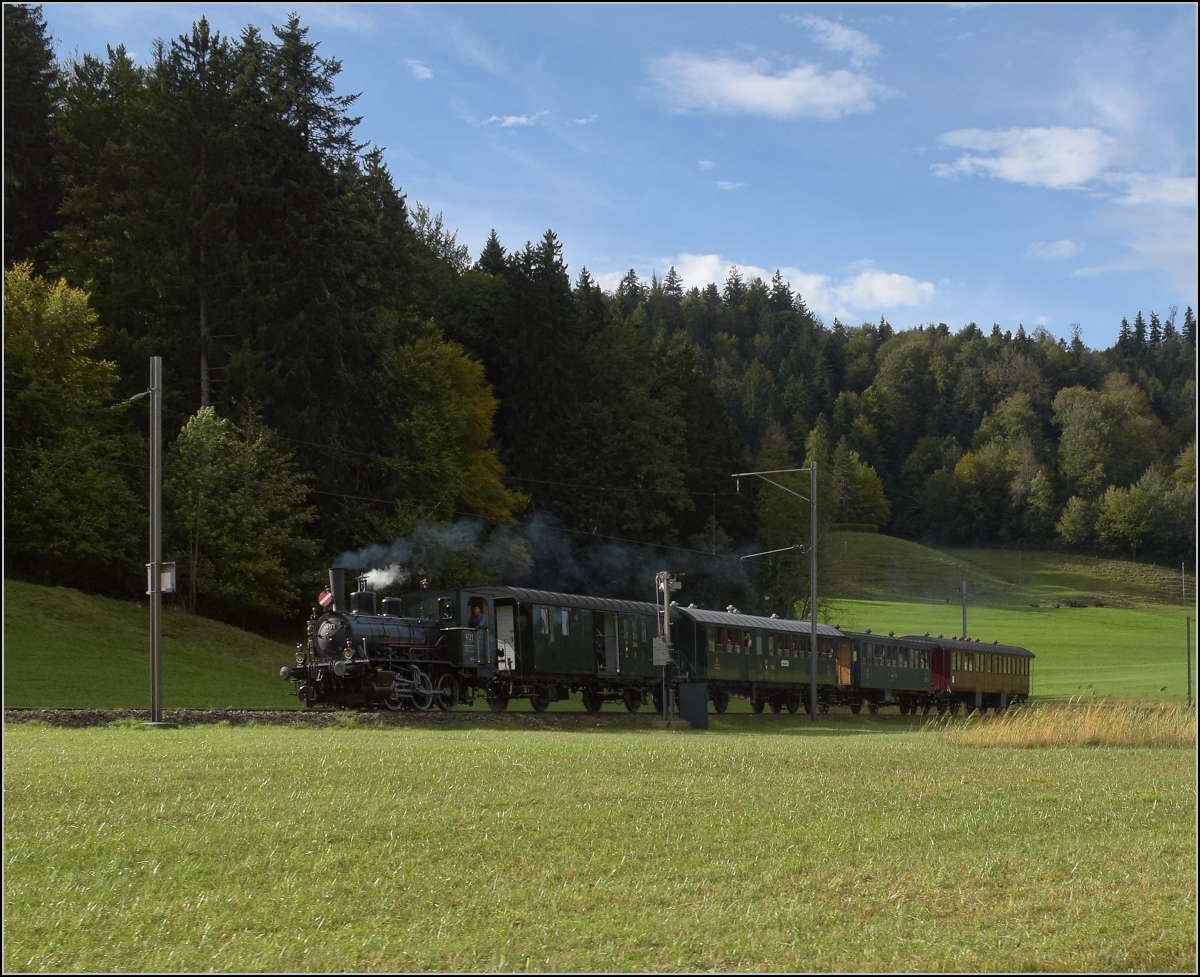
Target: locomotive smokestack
{"points": [[337, 587]]}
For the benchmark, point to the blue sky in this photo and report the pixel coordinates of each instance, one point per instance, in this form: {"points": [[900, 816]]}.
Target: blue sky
{"points": [[933, 163]]}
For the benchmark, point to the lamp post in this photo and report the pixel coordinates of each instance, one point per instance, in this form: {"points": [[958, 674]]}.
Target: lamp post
{"points": [[812, 557]]}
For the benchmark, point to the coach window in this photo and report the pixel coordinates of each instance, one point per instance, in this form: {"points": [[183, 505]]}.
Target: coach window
{"points": [[718, 639], [747, 640], [544, 620]]}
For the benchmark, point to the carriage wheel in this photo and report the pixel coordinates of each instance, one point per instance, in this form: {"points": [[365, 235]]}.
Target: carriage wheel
{"points": [[856, 707], [593, 701], [793, 702], [874, 707], [757, 705], [777, 705], [446, 691], [634, 699], [822, 708], [540, 701], [497, 700], [720, 701]]}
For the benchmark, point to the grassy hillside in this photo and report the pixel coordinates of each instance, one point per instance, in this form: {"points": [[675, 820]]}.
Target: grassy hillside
{"points": [[1081, 651], [866, 566], [64, 648]]}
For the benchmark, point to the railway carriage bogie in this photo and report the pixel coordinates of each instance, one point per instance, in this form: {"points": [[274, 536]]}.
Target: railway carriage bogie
{"points": [[497, 698], [593, 700]]}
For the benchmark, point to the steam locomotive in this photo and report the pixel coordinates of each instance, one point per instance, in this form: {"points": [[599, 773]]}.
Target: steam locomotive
{"points": [[432, 648]]}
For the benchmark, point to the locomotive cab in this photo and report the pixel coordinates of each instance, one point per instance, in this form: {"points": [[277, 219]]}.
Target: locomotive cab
{"points": [[468, 621]]}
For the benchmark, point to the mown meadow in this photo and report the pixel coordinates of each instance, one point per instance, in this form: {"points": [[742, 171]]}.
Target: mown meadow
{"points": [[757, 846]]}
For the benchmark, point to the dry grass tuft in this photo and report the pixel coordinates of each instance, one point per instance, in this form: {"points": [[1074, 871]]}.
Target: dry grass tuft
{"points": [[1078, 723]]}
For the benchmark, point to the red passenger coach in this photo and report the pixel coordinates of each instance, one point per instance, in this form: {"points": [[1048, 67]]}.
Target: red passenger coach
{"points": [[978, 676]]}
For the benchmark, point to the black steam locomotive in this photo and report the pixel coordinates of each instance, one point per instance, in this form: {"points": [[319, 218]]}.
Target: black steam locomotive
{"points": [[430, 649]]}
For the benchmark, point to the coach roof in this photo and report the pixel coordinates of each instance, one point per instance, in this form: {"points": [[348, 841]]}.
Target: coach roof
{"points": [[732, 620], [527, 596], [970, 644]]}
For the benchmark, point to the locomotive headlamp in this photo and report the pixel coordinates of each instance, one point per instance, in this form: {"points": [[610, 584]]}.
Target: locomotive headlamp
{"points": [[348, 651], [299, 653]]}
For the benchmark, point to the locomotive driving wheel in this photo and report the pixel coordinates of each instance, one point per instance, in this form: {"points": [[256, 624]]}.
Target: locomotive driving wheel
{"points": [[446, 691], [422, 691]]}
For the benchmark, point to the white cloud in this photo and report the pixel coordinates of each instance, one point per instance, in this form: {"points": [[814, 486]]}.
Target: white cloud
{"points": [[866, 292], [695, 83], [1052, 250], [1166, 191], [729, 185], [418, 69], [507, 121], [585, 122], [705, 164], [838, 37], [883, 290], [1059, 157]]}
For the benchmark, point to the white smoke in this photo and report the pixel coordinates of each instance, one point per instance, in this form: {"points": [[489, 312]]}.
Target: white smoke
{"points": [[387, 576]]}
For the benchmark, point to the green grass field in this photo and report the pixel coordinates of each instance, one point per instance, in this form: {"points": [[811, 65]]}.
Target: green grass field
{"points": [[848, 846]]}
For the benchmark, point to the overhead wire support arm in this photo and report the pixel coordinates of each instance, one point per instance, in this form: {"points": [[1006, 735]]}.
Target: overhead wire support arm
{"points": [[778, 471], [782, 549]]}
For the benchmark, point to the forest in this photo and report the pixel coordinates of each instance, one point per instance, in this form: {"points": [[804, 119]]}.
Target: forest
{"points": [[345, 382]]}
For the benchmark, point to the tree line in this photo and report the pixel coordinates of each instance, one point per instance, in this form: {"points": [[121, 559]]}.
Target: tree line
{"points": [[340, 371]]}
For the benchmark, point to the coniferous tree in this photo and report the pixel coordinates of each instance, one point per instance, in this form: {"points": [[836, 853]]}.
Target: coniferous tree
{"points": [[31, 188]]}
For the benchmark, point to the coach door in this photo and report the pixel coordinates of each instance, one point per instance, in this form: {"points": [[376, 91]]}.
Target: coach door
{"points": [[506, 638], [608, 649], [843, 662], [940, 669]]}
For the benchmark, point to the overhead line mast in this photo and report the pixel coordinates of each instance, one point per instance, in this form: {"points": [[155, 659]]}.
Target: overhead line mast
{"points": [[812, 557]]}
